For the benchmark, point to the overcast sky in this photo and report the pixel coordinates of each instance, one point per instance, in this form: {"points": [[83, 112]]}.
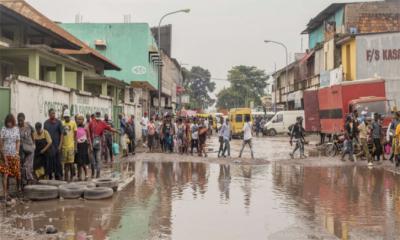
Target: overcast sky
{"points": [[216, 34]]}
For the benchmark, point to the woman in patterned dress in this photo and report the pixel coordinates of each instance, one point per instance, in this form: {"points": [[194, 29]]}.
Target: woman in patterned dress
{"points": [[9, 153]]}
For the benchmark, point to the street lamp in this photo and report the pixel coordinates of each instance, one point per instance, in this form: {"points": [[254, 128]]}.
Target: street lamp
{"points": [[286, 74], [159, 46]]}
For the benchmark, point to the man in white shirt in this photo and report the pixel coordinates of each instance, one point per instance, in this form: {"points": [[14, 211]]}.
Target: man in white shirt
{"points": [[247, 136], [144, 122]]}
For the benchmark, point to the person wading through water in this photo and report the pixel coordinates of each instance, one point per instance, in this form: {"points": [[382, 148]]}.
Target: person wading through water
{"points": [[297, 132]]}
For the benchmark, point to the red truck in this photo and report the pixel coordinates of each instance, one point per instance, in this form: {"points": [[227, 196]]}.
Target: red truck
{"points": [[335, 102]]}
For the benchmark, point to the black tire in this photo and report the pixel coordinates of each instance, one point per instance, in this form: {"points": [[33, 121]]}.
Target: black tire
{"points": [[330, 150], [272, 132], [98, 193], [71, 191], [41, 192], [107, 182], [56, 183]]}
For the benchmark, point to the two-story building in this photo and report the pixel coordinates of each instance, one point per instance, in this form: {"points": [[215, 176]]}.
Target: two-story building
{"points": [[133, 48]]}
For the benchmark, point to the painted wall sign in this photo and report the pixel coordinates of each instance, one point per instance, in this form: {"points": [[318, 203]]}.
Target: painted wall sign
{"points": [[139, 70]]}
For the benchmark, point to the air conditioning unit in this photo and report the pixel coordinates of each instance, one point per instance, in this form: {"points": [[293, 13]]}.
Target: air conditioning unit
{"points": [[100, 43]]}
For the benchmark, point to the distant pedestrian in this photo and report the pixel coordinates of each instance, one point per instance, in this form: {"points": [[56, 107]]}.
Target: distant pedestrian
{"points": [[54, 127], [27, 149], [297, 132], [143, 123], [203, 130], [364, 129], [83, 148], [151, 131], [123, 136], [247, 137], [68, 146], [43, 144], [168, 134], [377, 136], [348, 148], [195, 136], [9, 152], [226, 134], [391, 132], [221, 141], [96, 130], [131, 133], [180, 135], [108, 138]]}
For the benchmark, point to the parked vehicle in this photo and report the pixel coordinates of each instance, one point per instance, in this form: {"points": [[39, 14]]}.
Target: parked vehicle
{"points": [[280, 123], [237, 117], [337, 101]]}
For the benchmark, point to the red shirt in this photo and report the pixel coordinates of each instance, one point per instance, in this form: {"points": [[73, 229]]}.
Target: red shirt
{"points": [[97, 128]]}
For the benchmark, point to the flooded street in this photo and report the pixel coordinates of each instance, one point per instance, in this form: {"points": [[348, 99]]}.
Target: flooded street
{"points": [[187, 200]]}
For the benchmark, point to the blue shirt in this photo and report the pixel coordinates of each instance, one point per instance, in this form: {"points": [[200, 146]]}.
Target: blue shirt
{"points": [[122, 125]]}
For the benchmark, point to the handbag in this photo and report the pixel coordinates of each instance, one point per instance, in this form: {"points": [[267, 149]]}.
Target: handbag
{"points": [[27, 148], [96, 140]]}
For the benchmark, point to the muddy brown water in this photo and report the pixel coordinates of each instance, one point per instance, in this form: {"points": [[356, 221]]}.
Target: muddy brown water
{"points": [[211, 201]]}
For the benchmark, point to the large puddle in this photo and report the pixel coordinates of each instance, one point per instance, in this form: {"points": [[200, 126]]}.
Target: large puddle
{"points": [[202, 201]]}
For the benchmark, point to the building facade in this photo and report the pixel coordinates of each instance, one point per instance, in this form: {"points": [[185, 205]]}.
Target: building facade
{"points": [[347, 41], [132, 47]]}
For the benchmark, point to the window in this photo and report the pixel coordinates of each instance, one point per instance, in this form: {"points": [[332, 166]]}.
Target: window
{"points": [[131, 95], [279, 118], [239, 118]]}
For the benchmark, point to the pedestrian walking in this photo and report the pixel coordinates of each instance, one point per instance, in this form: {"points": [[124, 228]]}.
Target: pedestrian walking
{"points": [[83, 148], [349, 143], [43, 145], [54, 127], [168, 134], [151, 131], [96, 131], [377, 136], [195, 136], [108, 138], [9, 153], [297, 132], [131, 133], [363, 129], [123, 136], [203, 130], [221, 141], [27, 149], [180, 135], [143, 123], [391, 132], [68, 146], [247, 137], [226, 134]]}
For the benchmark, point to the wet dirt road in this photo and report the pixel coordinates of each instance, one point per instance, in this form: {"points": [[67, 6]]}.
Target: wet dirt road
{"points": [[172, 199]]}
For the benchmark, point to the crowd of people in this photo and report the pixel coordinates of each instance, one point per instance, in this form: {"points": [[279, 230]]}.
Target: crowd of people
{"points": [[167, 134], [367, 133], [61, 149]]}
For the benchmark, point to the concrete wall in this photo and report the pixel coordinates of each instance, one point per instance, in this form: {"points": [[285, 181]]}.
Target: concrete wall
{"points": [[378, 55], [35, 98]]}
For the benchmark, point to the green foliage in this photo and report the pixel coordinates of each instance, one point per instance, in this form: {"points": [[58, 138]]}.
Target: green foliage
{"points": [[247, 83], [198, 85]]}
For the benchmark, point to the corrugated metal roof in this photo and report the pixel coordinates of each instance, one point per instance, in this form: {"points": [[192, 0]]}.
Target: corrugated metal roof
{"points": [[27, 11], [319, 19]]}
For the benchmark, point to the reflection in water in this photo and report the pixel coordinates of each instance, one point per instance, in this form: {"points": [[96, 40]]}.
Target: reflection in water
{"points": [[200, 201]]}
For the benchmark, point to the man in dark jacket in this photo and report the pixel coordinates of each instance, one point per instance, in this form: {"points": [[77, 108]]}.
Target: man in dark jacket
{"points": [[297, 133]]}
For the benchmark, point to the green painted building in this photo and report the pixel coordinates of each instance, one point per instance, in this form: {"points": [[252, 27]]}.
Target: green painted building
{"points": [[130, 45]]}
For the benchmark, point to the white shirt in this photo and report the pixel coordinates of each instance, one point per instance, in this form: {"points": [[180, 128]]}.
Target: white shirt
{"points": [[206, 123], [144, 122], [247, 131]]}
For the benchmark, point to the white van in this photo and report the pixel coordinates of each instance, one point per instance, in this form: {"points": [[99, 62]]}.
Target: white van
{"points": [[280, 123]]}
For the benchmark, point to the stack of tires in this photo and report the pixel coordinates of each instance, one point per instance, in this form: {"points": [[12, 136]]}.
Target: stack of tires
{"points": [[53, 189]]}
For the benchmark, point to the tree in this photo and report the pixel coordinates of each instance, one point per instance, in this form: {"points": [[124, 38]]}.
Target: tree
{"points": [[198, 85], [247, 83]]}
